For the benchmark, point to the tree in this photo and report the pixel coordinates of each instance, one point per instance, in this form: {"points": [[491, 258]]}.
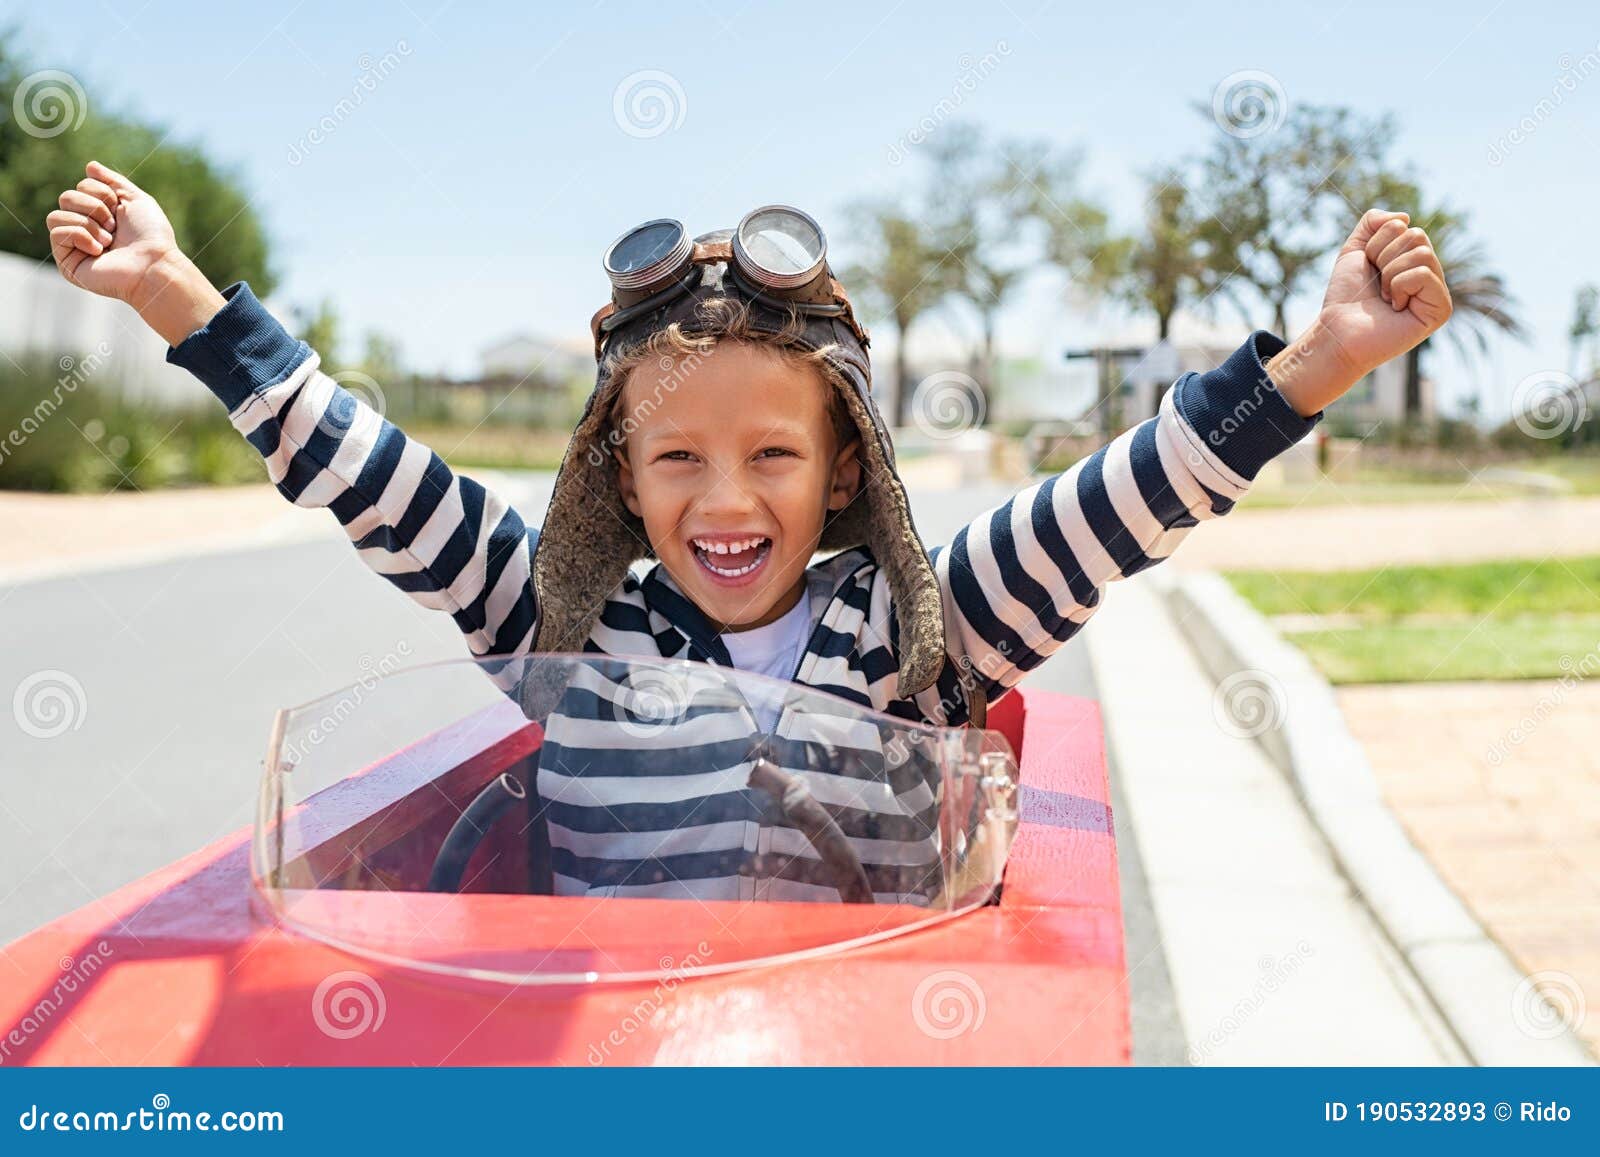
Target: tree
{"points": [[904, 271], [1585, 326], [320, 331], [1077, 237], [1275, 204], [43, 152], [1164, 267], [984, 196]]}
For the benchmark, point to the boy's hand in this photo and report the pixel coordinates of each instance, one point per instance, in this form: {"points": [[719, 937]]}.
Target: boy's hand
{"points": [[109, 233], [1386, 295], [111, 238]]}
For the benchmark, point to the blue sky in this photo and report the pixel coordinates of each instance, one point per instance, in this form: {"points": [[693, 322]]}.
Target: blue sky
{"points": [[471, 192]]}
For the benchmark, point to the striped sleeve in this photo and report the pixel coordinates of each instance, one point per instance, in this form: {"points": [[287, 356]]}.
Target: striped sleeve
{"points": [[1023, 578], [443, 539]]}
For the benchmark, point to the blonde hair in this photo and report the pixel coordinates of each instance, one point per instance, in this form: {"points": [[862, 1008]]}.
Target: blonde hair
{"points": [[727, 319]]}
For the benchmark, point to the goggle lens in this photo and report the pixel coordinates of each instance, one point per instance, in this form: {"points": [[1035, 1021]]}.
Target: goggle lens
{"points": [[643, 255], [781, 247]]}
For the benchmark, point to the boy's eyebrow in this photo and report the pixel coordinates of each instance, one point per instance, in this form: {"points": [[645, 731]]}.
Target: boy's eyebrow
{"points": [[782, 429]]}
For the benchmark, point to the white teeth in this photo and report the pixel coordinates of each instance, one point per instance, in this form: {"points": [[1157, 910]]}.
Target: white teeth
{"points": [[727, 547]]}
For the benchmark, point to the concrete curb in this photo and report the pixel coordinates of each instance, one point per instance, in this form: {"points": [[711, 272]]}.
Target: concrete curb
{"points": [[1471, 980]]}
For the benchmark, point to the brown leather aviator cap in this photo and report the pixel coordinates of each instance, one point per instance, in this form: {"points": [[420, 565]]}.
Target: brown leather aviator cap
{"points": [[590, 538]]}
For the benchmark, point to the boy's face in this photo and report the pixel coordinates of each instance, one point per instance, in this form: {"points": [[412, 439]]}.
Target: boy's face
{"points": [[732, 463]]}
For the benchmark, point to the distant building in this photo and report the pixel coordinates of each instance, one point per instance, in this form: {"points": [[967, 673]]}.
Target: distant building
{"points": [[1381, 397], [1150, 374], [79, 334], [524, 354], [1378, 397]]}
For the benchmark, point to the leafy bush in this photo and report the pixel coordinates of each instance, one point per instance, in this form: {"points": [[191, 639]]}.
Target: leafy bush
{"points": [[60, 434]]}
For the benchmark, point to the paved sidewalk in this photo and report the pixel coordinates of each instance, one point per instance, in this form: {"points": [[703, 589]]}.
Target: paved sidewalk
{"points": [[1499, 785], [1355, 537], [1272, 957], [53, 534]]}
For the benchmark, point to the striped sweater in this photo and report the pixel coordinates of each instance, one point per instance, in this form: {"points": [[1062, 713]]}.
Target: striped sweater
{"points": [[1017, 582]]}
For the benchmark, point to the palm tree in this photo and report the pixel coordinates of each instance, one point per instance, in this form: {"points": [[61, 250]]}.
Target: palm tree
{"points": [[1482, 303], [1585, 326]]}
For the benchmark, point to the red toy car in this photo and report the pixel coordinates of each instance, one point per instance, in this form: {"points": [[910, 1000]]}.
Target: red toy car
{"points": [[434, 879]]}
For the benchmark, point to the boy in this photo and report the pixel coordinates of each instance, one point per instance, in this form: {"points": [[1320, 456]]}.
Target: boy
{"points": [[731, 435]]}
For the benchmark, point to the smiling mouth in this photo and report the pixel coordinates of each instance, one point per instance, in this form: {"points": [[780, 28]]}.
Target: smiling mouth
{"points": [[735, 559]]}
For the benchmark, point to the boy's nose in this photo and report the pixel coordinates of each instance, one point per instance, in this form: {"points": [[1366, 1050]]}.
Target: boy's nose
{"points": [[726, 495]]}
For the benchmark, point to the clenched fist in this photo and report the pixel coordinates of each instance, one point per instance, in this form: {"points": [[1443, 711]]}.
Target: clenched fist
{"points": [[108, 234], [1387, 293], [111, 238]]}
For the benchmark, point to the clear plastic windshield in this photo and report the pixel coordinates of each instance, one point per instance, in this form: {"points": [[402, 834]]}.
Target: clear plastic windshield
{"points": [[567, 819]]}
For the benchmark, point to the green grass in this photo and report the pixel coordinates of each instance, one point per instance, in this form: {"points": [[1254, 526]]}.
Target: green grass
{"points": [[1504, 589], [1392, 484], [1492, 620], [1364, 491], [492, 447], [1494, 648]]}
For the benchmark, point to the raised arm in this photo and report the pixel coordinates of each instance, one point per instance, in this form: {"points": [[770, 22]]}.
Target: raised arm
{"points": [[442, 538], [1022, 579]]}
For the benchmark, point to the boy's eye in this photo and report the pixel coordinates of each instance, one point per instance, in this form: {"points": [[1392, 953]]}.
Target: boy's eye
{"points": [[775, 452], [675, 456]]}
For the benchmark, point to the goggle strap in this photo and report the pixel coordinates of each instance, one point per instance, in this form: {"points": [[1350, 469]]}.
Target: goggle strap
{"points": [[706, 252], [607, 318], [600, 315]]}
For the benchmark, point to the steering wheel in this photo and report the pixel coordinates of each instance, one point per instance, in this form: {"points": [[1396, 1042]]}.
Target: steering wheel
{"points": [[469, 829]]}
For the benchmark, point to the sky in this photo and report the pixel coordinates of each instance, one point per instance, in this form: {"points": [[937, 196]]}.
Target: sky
{"points": [[450, 174]]}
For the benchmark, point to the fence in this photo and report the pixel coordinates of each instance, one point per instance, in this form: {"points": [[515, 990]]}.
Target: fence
{"points": [[40, 313]]}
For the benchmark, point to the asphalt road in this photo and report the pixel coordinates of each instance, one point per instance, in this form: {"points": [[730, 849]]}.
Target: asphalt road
{"points": [[170, 674]]}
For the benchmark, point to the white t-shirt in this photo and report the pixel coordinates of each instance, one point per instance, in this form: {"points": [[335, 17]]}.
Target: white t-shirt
{"points": [[775, 650]]}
